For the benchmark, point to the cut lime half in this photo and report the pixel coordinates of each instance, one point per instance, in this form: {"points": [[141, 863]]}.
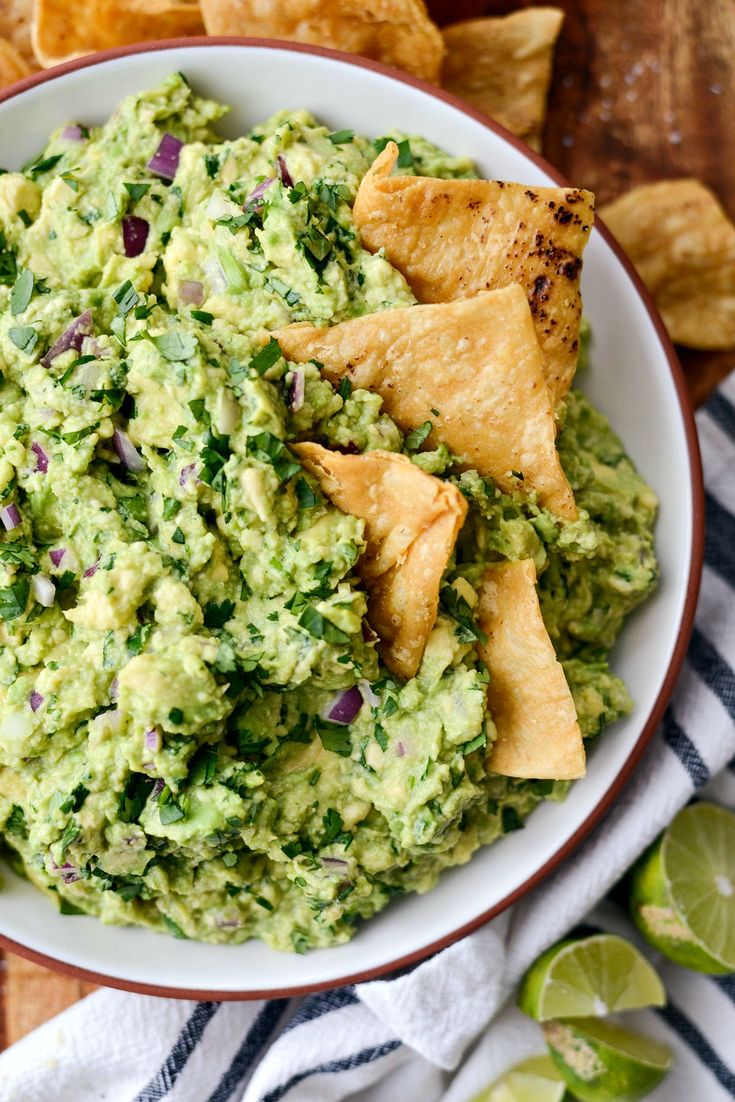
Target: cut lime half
{"points": [[683, 890], [601, 1062], [589, 977], [535, 1080]]}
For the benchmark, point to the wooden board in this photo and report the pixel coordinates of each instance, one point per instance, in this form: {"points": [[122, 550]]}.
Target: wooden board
{"points": [[643, 89]]}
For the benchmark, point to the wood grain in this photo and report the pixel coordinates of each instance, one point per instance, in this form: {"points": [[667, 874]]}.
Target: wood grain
{"points": [[643, 89]]}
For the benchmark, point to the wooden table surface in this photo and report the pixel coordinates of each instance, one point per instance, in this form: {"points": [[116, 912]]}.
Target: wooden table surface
{"points": [[643, 89]]}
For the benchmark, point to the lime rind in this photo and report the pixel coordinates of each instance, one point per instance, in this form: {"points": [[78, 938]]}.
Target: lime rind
{"points": [[534, 1080], [589, 977], [601, 1062], [683, 890]]}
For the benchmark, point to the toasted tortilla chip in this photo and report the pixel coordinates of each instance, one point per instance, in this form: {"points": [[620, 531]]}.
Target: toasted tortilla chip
{"points": [[453, 238], [683, 245], [528, 695], [503, 66], [60, 33], [476, 361], [412, 520], [12, 65], [16, 17], [396, 32]]}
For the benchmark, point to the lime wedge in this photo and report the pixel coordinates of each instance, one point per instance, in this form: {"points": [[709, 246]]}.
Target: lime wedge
{"points": [[535, 1080], [683, 890], [589, 977], [601, 1062]]}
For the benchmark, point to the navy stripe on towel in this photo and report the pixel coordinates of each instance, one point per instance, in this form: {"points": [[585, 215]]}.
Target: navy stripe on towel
{"points": [[316, 1006], [713, 669], [245, 1057], [678, 740], [727, 985], [348, 1063], [722, 413], [719, 539], [176, 1061], [699, 1044]]}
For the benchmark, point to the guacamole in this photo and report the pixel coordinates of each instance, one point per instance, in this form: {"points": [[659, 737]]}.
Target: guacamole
{"points": [[179, 605]]}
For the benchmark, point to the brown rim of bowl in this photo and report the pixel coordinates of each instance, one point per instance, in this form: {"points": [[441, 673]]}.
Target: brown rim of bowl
{"points": [[695, 566]]}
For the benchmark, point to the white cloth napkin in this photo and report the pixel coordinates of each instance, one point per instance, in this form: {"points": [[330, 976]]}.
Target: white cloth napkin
{"points": [[444, 1030]]}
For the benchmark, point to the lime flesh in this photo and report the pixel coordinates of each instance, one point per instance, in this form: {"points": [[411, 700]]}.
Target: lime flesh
{"points": [[590, 977], [535, 1080], [601, 1062], [683, 890]]}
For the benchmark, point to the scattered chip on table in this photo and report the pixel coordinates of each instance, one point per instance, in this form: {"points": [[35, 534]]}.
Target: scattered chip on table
{"points": [[472, 368], [528, 695], [12, 66], [16, 17], [503, 66], [454, 238], [396, 32], [683, 245], [412, 520], [61, 32]]}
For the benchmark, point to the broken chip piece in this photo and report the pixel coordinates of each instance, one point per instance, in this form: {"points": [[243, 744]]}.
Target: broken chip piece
{"points": [[683, 245], [476, 362], [454, 238], [396, 32], [12, 65], [502, 65], [59, 34], [528, 695], [412, 520]]}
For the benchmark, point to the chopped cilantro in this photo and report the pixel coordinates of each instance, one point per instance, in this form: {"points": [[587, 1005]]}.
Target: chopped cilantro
{"points": [[25, 217], [265, 359], [322, 628], [344, 389], [468, 631], [211, 163], [416, 437], [137, 641], [126, 297], [203, 766], [136, 191], [174, 345], [340, 137], [202, 316], [334, 737], [176, 716], [16, 823], [178, 536], [510, 820], [45, 165], [306, 497], [405, 156], [24, 337], [216, 615], [334, 830], [267, 448], [14, 600], [475, 743]]}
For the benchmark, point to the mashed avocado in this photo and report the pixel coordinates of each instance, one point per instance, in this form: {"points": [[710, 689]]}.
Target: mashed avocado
{"points": [[178, 601]]}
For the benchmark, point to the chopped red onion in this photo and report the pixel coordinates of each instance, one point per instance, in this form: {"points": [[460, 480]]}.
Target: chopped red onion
{"points": [[228, 412], [216, 275], [191, 291], [57, 555], [296, 390], [128, 455], [157, 789], [334, 863], [367, 693], [135, 234], [165, 161], [283, 172], [44, 590], [35, 700], [41, 458], [401, 749], [70, 877], [258, 192], [91, 570], [10, 516], [228, 923], [72, 337], [73, 134], [114, 690], [344, 706], [153, 740], [186, 473]]}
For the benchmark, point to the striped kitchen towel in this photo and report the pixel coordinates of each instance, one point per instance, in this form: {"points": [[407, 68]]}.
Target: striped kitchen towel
{"points": [[448, 1027]]}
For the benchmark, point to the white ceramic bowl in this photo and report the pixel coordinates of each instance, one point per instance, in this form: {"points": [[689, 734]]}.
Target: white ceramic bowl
{"points": [[635, 379]]}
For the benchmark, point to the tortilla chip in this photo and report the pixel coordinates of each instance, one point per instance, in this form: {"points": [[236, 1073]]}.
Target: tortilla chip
{"points": [[528, 695], [60, 34], [412, 520], [476, 362], [453, 238], [503, 67], [396, 32], [683, 245], [16, 17], [12, 65]]}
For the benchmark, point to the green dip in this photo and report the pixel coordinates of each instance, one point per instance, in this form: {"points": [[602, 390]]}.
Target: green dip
{"points": [[172, 626]]}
